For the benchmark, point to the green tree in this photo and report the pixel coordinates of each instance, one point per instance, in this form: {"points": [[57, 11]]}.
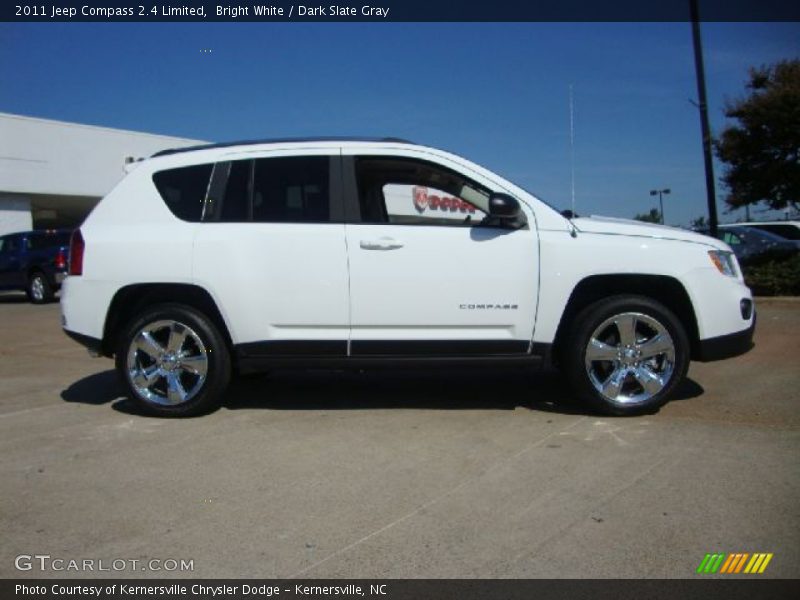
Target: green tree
{"points": [[652, 217], [762, 149], [699, 223]]}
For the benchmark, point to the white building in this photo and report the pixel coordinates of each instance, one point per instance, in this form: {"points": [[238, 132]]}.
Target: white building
{"points": [[52, 173]]}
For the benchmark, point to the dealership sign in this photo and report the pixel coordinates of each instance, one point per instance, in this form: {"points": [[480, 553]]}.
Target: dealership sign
{"points": [[420, 201], [423, 200]]}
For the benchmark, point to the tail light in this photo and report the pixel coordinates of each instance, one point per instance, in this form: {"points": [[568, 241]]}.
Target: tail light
{"points": [[61, 259], [76, 248]]}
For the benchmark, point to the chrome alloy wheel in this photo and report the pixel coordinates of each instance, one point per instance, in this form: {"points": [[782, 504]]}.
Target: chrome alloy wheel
{"points": [[630, 357], [37, 288], [167, 363]]}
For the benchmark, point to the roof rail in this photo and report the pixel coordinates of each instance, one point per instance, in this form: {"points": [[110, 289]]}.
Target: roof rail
{"points": [[278, 141]]}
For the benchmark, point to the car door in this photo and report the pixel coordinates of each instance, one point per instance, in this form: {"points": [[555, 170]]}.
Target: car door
{"points": [[272, 249], [430, 273], [9, 261]]}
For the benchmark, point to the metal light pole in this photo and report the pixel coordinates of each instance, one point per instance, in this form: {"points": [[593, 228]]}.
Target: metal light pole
{"points": [[660, 200], [701, 93]]}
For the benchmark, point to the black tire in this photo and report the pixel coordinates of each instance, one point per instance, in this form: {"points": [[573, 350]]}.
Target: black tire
{"points": [[39, 290], [202, 348], [616, 386]]}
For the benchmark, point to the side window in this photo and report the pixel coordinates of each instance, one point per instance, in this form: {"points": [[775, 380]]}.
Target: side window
{"points": [[235, 206], [291, 190], [184, 190], [413, 192], [731, 238], [8, 245]]}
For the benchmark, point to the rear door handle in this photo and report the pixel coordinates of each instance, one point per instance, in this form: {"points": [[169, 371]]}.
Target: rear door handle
{"points": [[381, 244]]}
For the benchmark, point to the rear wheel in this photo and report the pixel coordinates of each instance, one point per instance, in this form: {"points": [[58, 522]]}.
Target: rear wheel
{"points": [[174, 361], [39, 289], [626, 354]]}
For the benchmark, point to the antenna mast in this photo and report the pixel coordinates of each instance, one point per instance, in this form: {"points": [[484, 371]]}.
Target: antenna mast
{"points": [[572, 145]]}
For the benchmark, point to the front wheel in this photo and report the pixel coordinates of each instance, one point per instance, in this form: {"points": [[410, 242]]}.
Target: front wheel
{"points": [[173, 361], [626, 354]]}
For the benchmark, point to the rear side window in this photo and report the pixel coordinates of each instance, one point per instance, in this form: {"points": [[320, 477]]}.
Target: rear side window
{"points": [[291, 190], [235, 207], [7, 244], [37, 242], [184, 190]]}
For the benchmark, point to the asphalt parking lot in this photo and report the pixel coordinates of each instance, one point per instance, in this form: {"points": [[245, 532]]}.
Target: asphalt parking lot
{"points": [[402, 474]]}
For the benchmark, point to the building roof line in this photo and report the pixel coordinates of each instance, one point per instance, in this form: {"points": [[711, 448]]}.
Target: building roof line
{"points": [[94, 127]]}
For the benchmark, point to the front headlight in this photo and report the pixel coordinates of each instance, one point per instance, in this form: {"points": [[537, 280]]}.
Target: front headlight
{"points": [[724, 261]]}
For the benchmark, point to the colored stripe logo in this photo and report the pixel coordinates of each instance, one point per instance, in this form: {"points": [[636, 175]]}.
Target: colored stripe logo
{"points": [[733, 563]]}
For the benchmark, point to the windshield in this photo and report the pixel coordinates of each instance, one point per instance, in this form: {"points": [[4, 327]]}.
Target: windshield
{"points": [[540, 199]]}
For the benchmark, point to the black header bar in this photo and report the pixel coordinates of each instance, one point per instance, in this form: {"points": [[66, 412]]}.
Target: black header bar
{"points": [[399, 11], [734, 588]]}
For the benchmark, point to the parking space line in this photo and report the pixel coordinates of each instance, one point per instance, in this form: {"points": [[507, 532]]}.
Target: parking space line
{"points": [[27, 410]]}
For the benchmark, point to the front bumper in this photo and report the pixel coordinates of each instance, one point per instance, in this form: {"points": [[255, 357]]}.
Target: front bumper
{"points": [[726, 346]]}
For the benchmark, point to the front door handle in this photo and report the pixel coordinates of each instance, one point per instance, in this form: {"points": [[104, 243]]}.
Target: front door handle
{"points": [[381, 244]]}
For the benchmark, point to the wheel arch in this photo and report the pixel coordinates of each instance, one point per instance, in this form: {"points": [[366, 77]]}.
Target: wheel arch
{"points": [[131, 299], [667, 290], [32, 270]]}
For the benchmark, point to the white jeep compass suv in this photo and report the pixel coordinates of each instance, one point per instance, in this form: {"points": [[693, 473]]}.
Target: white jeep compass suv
{"points": [[333, 252]]}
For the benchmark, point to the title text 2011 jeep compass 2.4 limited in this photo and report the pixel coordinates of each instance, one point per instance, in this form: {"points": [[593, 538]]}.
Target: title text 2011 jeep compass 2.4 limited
{"points": [[316, 253]]}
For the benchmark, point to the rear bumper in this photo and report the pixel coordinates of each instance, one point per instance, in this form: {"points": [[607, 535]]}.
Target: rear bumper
{"points": [[726, 346], [84, 304], [93, 345]]}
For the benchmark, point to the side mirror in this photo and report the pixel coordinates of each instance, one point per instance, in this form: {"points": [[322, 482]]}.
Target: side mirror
{"points": [[503, 206]]}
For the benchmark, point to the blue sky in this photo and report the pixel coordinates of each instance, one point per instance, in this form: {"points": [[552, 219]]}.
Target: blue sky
{"points": [[496, 93]]}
